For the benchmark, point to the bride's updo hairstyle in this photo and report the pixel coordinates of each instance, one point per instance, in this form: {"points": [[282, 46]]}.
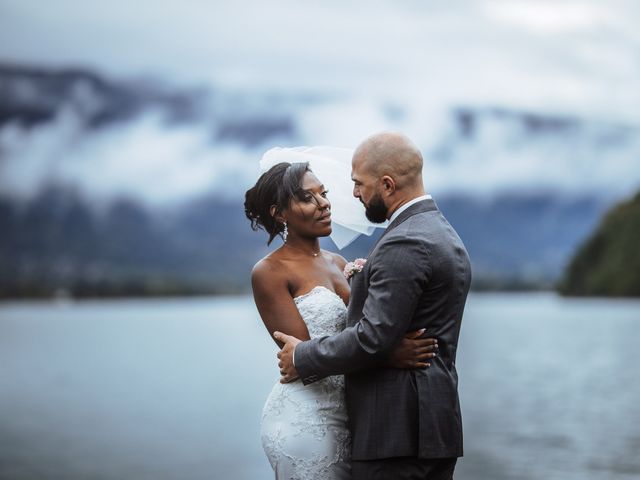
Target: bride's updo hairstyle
{"points": [[277, 186]]}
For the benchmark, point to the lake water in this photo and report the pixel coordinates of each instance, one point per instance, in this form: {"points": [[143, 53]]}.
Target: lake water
{"points": [[173, 389]]}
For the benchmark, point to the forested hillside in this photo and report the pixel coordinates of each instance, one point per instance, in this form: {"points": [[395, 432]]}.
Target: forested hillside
{"points": [[608, 263]]}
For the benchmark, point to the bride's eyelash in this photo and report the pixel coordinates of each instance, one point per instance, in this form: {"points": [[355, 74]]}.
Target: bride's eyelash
{"points": [[307, 196], [304, 195]]}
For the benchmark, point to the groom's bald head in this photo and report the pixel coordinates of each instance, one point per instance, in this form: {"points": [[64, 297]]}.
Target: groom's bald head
{"points": [[386, 170], [392, 154]]}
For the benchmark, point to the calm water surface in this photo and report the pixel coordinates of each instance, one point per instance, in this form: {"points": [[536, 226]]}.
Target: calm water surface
{"points": [[173, 389]]}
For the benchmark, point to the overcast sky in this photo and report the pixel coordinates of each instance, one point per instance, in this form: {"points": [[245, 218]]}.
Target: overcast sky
{"points": [[575, 58], [578, 56]]}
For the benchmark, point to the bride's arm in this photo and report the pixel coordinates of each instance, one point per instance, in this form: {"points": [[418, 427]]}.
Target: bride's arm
{"points": [[274, 302], [413, 351]]}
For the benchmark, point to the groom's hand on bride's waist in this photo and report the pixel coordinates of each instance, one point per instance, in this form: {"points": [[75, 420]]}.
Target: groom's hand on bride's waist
{"points": [[288, 371]]}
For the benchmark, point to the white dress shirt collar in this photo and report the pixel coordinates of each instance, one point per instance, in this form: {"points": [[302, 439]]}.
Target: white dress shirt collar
{"points": [[407, 205]]}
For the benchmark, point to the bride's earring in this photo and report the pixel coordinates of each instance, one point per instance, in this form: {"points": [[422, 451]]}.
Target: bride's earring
{"points": [[285, 232]]}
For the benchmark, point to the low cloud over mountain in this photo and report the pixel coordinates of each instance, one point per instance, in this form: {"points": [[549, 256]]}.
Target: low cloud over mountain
{"points": [[131, 163]]}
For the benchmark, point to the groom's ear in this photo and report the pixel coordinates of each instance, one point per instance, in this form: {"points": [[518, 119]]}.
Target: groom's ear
{"points": [[388, 184]]}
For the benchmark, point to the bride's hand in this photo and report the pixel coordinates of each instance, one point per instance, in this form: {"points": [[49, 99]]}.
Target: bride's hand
{"points": [[413, 351], [288, 370]]}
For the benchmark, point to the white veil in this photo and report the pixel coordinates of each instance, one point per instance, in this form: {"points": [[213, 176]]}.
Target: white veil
{"points": [[332, 166]]}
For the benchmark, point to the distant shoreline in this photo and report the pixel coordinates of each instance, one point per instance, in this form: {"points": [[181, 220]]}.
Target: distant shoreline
{"points": [[127, 290], [74, 299]]}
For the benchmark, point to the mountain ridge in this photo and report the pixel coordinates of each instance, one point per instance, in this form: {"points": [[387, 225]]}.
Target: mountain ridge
{"points": [[59, 242]]}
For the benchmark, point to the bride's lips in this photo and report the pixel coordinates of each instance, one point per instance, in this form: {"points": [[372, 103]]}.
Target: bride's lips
{"points": [[325, 218]]}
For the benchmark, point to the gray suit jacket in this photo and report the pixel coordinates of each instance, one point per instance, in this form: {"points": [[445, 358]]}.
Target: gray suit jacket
{"points": [[417, 276]]}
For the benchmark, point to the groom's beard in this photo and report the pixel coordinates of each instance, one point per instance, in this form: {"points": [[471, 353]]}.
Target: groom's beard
{"points": [[376, 211]]}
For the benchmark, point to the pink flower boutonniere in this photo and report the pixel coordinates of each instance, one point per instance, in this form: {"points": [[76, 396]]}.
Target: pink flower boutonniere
{"points": [[351, 268]]}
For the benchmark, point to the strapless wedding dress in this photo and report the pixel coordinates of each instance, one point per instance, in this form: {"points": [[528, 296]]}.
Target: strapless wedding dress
{"points": [[304, 428]]}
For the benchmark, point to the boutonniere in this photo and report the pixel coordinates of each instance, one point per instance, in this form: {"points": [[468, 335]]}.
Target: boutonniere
{"points": [[351, 268]]}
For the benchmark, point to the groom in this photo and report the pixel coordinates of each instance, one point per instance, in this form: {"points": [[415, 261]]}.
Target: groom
{"points": [[404, 423]]}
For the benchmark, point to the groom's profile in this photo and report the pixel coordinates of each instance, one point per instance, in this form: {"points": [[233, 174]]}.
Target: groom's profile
{"points": [[404, 423]]}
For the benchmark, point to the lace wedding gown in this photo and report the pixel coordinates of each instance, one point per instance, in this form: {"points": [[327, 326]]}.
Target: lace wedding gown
{"points": [[304, 428]]}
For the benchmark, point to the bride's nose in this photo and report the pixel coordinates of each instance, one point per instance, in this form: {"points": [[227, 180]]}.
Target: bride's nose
{"points": [[324, 203]]}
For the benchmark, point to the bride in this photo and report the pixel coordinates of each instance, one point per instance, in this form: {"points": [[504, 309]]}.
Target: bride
{"points": [[300, 289]]}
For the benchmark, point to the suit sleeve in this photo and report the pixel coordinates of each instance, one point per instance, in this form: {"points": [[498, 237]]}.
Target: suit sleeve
{"points": [[396, 281]]}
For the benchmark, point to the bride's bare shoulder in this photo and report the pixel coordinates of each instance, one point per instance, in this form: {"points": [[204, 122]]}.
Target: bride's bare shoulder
{"points": [[268, 268], [338, 260]]}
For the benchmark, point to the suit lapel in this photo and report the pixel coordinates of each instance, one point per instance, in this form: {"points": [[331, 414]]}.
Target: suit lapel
{"points": [[427, 205], [359, 282]]}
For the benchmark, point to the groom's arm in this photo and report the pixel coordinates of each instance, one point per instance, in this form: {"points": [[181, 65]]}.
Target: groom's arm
{"points": [[396, 282]]}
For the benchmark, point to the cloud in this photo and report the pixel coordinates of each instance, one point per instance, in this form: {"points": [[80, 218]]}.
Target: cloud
{"points": [[370, 66], [543, 16], [523, 152], [571, 55], [164, 163], [143, 159]]}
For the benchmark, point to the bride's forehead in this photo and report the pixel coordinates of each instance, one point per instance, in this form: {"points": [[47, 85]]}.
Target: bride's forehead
{"points": [[310, 182]]}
